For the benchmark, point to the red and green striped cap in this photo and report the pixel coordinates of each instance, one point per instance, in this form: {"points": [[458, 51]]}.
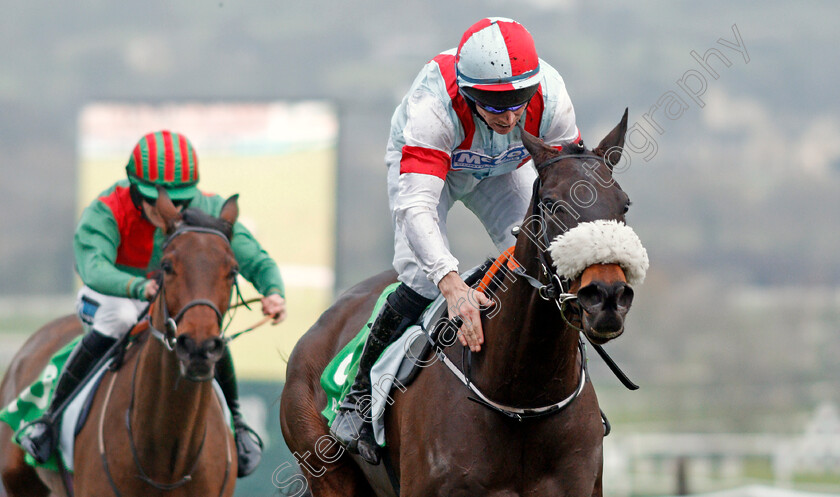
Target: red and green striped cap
{"points": [[167, 159]]}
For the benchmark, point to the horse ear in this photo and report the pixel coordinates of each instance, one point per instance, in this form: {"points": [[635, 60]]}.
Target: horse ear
{"points": [[230, 209], [537, 148], [612, 145], [167, 211]]}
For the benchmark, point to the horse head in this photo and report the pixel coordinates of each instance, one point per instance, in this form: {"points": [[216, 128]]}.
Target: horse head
{"points": [[198, 271], [580, 209]]}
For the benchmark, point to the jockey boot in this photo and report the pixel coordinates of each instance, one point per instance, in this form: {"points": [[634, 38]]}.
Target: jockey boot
{"points": [[40, 437], [248, 444], [352, 427]]}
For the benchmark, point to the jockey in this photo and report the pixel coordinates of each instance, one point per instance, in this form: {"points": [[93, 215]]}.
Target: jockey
{"points": [[457, 136], [118, 248]]}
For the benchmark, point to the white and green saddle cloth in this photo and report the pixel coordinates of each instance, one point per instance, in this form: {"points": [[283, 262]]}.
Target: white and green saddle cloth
{"points": [[339, 374]]}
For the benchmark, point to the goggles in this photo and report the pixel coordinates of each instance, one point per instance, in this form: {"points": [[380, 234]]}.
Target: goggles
{"points": [[495, 110], [182, 203]]}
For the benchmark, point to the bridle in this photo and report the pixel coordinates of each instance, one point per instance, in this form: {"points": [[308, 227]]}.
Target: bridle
{"points": [[168, 338], [169, 335], [557, 290]]}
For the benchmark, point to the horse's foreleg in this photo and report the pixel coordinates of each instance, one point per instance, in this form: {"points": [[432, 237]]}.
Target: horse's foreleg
{"points": [[19, 479], [327, 472], [598, 491], [52, 480], [340, 481], [313, 477]]}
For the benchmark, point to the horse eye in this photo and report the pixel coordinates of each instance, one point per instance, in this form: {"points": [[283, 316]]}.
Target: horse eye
{"points": [[166, 266], [552, 207]]}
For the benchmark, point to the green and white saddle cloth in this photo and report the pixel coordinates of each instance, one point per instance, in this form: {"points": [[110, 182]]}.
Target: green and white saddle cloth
{"points": [[33, 401], [339, 374]]}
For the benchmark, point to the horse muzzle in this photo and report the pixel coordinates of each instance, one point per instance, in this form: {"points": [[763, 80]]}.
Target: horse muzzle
{"points": [[604, 306], [198, 361]]}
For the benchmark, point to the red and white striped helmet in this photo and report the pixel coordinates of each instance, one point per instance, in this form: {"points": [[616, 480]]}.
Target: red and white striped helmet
{"points": [[497, 54]]}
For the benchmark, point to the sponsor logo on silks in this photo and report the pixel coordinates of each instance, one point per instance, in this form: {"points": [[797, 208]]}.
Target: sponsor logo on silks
{"points": [[507, 161]]}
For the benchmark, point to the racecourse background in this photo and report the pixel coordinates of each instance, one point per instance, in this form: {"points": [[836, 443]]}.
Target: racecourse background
{"points": [[735, 331]]}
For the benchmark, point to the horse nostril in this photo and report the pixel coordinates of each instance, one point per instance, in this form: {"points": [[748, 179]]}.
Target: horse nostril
{"points": [[591, 297], [184, 343], [213, 346], [624, 296]]}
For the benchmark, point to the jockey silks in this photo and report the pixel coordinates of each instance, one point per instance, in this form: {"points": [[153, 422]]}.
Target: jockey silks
{"points": [[116, 248], [438, 144]]}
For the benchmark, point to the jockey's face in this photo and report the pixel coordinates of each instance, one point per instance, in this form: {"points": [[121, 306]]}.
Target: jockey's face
{"points": [[501, 123]]}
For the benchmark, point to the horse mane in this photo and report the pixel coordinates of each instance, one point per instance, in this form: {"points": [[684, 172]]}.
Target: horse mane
{"points": [[199, 218]]}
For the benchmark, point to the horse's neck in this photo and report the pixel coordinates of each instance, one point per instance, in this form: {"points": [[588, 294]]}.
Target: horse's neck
{"points": [[530, 355], [168, 418]]}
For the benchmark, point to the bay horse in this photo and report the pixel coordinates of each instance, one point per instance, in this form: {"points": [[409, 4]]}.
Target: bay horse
{"points": [[156, 425], [439, 440]]}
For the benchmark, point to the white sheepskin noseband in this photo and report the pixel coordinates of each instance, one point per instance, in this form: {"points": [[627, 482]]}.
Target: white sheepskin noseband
{"points": [[600, 242]]}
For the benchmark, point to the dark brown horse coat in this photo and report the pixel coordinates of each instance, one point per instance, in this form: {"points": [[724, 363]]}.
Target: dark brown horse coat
{"points": [[177, 425], [443, 444]]}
